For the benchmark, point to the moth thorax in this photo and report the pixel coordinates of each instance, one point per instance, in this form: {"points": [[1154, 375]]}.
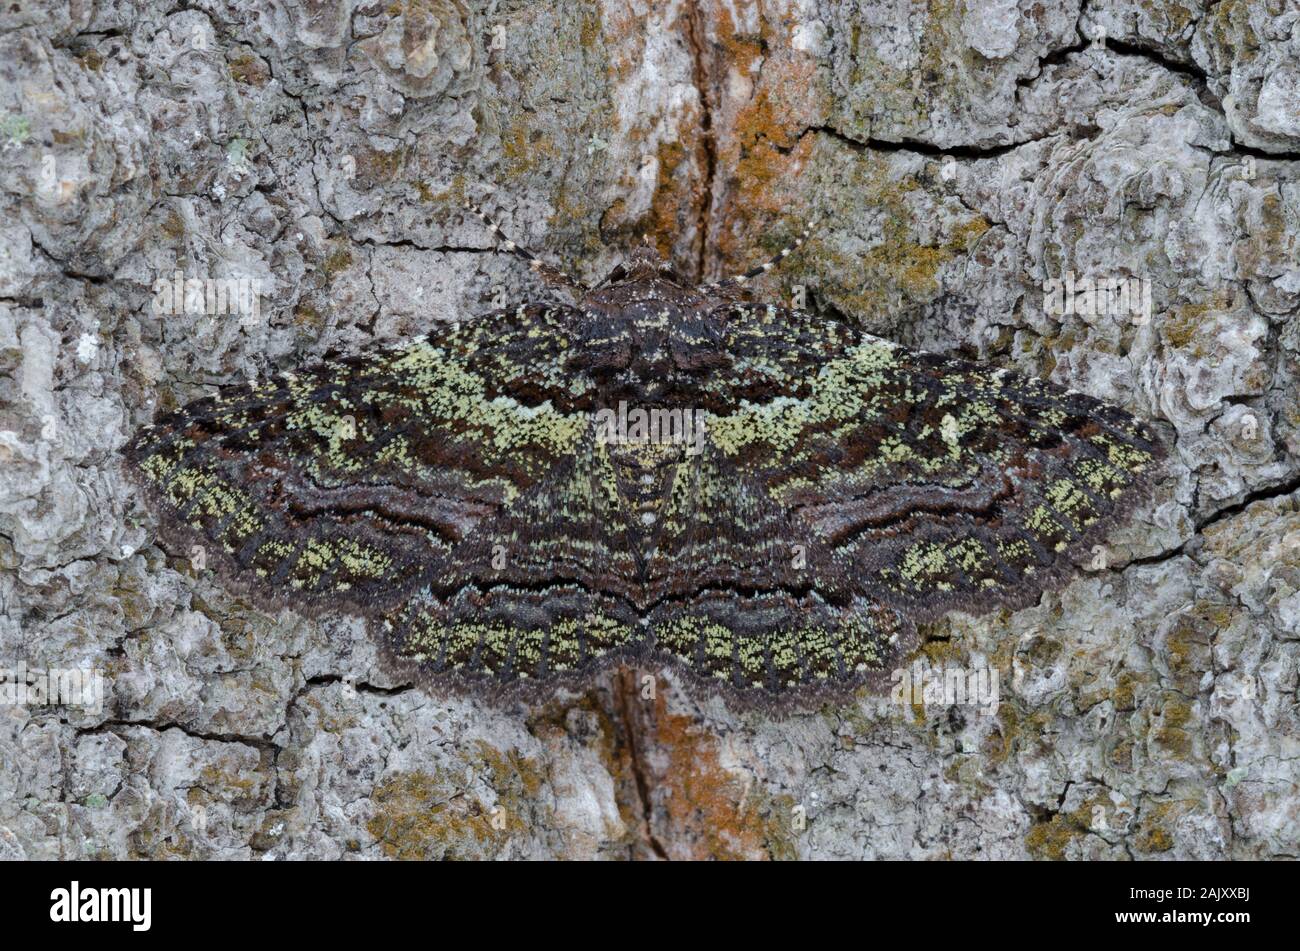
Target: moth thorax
{"points": [[645, 473]]}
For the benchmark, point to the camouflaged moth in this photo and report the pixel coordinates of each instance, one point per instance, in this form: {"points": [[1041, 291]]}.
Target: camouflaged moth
{"points": [[459, 492]]}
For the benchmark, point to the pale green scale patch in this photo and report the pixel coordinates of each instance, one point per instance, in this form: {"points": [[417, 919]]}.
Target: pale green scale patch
{"points": [[717, 642], [449, 391], [495, 650], [595, 485], [211, 497], [563, 645], [1055, 418], [931, 559], [968, 554], [424, 637], [314, 560], [793, 486], [460, 641], [978, 414], [604, 633], [778, 423], [839, 392], [820, 651], [1126, 457], [923, 559], [221, 501], [1071, 501], [234, 421], [1099, 476], [396, 453], [363, 561], [751, 658], [158, 468], [1044, 524], [895, 449], [858, 644], [334, 429], [677, 509], [300, 388], [948, 396], [319, 557], [680, 635], [273, 551], [984, 381], [245, 524], [785, 656], [1014, 551]]}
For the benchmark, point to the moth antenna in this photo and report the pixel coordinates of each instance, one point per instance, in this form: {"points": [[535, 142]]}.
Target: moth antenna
{"points": [[548, 273], [739, 280]]}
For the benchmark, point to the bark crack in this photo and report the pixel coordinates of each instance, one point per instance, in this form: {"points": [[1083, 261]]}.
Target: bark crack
{"points": [[624, 686], [696, 40], [920, 147], [264, 743]]}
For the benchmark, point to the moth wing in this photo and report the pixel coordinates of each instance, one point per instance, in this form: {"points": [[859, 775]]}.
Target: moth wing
{"points": [[547, 594], [861, 488], [930, 484], [736, 601], [353, 483]]}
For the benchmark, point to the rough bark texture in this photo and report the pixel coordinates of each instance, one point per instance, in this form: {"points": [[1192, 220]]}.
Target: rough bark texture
{"points": [[959, 153]]}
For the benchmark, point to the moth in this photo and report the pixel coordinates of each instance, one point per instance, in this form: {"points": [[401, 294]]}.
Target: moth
{"points": [[518, 502]]}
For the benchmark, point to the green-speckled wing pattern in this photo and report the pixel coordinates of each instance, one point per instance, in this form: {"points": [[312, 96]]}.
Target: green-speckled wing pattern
{"points": [[459, 493], [352, 483], [932, 483]]}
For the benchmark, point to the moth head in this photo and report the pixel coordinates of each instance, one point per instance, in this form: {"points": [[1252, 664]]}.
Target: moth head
{"points": [[643, 264]]}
